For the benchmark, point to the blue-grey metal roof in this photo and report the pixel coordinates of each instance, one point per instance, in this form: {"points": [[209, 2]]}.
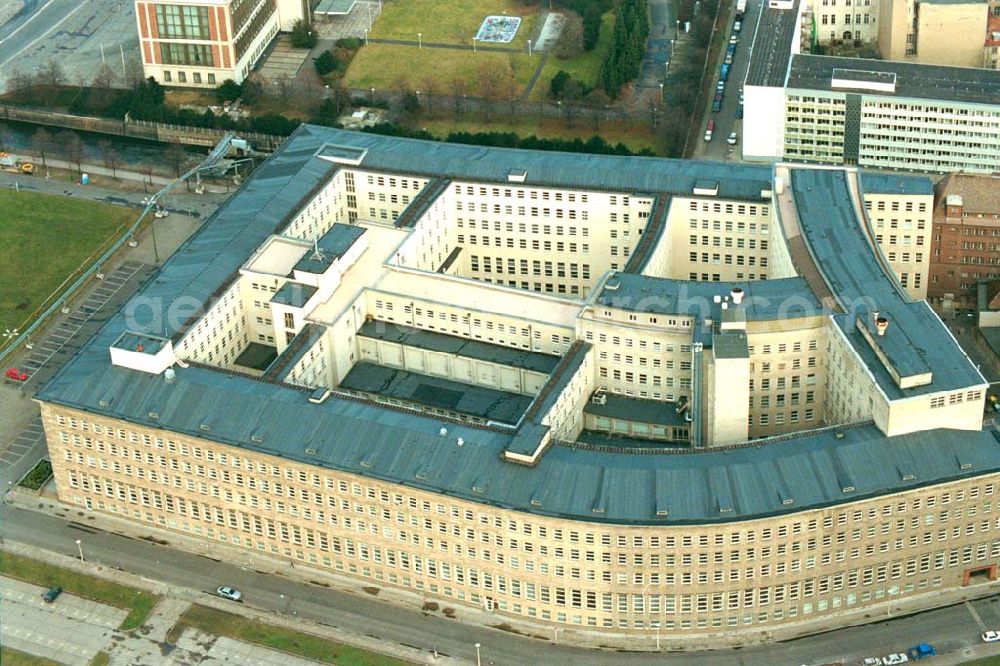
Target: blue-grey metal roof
{"points": [[915, 337], [645, 175], [332, 245], [452, 344], [353, 436], [889, 183], [784, 298], [294, 294]]}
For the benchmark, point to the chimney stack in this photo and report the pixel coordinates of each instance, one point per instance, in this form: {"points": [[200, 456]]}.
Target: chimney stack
{"points": [[737, 294], [881, 323]]}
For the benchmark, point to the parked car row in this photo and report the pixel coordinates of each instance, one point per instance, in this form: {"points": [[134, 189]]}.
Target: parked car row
{"points": [[915, 653]]}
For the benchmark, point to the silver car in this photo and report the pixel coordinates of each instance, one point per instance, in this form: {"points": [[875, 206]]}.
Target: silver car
{"points": [[230, 593]]}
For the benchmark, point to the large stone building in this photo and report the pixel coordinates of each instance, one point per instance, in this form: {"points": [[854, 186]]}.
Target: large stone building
{"points": [[201, 43], [933, 32], [965, 249], [871, 113], [598, 393]]}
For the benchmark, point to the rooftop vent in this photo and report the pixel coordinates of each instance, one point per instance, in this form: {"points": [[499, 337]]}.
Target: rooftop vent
{"points": [[154, 415], [535, 501], [169, 375], [319, 396], [839, 434], [204, 427], [881, 324], [847, 489], [599, 398], [517, 175], [611, 286], [256, 438], [104, 402], [443, 432], [737, 294], [461, 441], [662, 512], [310, 450], [717, 299]]}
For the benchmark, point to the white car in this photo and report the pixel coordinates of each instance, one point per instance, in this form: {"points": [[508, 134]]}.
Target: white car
{"points": [[872, 661], [991, 636], [893, 659], [733, 138], [737, 26], [230, 593]]}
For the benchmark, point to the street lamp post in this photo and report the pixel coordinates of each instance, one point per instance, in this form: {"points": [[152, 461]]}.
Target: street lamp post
{"points": [[661, 93], [79, 546], [373, 96], [420, 41], [479, 662], [474, 45], [529, 48]]}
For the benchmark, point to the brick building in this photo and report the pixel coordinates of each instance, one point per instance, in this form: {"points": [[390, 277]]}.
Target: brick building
{"points": [[966, 236]]}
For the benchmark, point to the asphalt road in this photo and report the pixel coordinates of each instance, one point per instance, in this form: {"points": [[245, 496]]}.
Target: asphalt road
{"points": [[953, 630], [725, 120], [71, 32]]}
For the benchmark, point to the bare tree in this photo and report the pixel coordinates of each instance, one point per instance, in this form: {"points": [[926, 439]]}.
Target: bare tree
{"points": [[20, 82], [106, 77], [72, 147], [570, 41], [430, 86], [175, 156], [110, 156], [491, 75], [458, 95], [52, 73], [41, 143], [5, 137]]}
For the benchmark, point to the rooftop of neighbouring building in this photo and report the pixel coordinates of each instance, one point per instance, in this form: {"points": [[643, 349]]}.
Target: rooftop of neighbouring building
{"points": [[772, 46], [910, 80], [980, 193]]}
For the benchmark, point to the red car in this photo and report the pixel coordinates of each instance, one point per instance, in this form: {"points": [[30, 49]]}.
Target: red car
{"points": [[17, 375]]}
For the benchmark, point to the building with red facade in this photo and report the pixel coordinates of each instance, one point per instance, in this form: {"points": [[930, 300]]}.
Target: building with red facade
{"points": [[201, 43], [965, 246]]}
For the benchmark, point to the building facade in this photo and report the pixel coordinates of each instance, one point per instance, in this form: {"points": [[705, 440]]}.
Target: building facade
{"points": [[932, 32], [202, 43], [596, 393], [966, 238]]}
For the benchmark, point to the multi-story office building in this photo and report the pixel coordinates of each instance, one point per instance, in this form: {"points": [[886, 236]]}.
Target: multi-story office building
{"points": [[965, 249], [991, 49], [599, 393], [871, 113], [201, 43]]}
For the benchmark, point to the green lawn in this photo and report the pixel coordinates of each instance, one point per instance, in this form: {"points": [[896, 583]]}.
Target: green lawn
{"points": [[11, 657], [44, 239], [383, 66], [451, 21], [137, 602], [585, 67], [985, 661], [240, 628]]}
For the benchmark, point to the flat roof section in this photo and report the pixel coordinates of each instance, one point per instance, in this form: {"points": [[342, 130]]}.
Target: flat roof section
{"points": [[294, 294], [437, 392], [451, 344], [772, 46], [785, 298], [950, 84], [656, 412]]}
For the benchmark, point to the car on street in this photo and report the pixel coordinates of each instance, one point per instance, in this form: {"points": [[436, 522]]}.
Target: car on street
{"points": [[895, 658], [991, 636], [739, 112], [737, 26], [709, 130], [230, 593], [729, 59], [734, 40], [720, 86], [51, 594], [16, 375], [733, 138], [871, 661]]}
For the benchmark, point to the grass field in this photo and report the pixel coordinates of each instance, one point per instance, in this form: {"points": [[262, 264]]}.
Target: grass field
{"points": [[219, 623], [43, 240], [450, 21], [585, 67], [11, 657], [634, 135], [137, 602], [382, 66]]}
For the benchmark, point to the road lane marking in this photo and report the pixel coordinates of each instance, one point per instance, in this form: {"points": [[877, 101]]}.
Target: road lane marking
{"points": [[975, 616]]}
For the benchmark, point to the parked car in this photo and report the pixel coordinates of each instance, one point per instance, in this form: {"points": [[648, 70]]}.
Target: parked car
{"points": [[991, 636], [871, 661], [709, 130], [717, 105], [739, 112], [16, 375], [894, 659], [720, 86], [729, 58], [733, 138], [734, 40], [737, 26], [921, 651], [230, 593], [51, 594]]}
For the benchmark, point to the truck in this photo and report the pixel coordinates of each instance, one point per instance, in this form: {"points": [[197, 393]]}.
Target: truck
{"points": [[921, 651], [741, 6]]}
